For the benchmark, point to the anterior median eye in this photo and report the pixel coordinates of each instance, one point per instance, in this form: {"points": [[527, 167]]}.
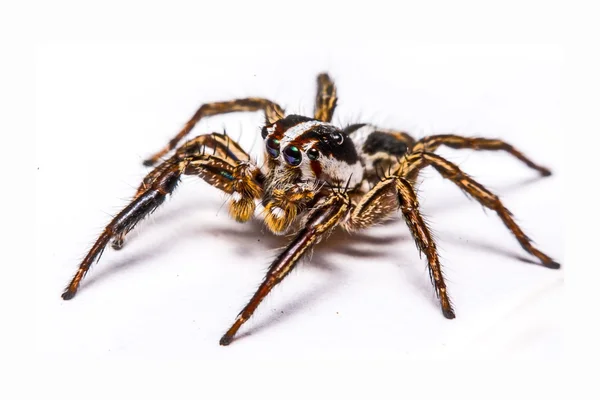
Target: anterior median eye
{"points": [[273, 147], [292, 155]]}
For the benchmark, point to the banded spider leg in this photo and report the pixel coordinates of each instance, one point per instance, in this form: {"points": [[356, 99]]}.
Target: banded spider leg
{"points": [[273, 112], [217, 144], [381, 202], [321, 220], [326, 98], [417, 161], [241, 179], [431, 143]]}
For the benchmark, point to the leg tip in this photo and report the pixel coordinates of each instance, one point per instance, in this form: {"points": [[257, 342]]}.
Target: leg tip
{"points": [[449, 314], [225, 340], [552, 264], [545, 172], [68, 294], [148, 163]]}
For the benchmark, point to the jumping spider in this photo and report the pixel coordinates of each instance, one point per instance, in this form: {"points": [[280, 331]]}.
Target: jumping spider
{"points": [[316, 174]]}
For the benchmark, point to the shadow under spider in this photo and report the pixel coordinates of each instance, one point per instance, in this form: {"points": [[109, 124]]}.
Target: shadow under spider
{"points": [[289, 309], [488, 248], [253, 239], [461, 201], [169, 213], [339, 242]]}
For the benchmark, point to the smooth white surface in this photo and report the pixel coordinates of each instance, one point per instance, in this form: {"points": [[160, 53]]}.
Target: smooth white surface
{"points": [[188, 270]]}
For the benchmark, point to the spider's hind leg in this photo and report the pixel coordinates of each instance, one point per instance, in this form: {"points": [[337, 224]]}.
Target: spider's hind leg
{"points": [[431, 143], [452, 172]]}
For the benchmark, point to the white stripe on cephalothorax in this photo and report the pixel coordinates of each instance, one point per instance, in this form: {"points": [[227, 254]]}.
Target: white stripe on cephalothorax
{"points": [[360, 136], [335, 171], [298, 130]]}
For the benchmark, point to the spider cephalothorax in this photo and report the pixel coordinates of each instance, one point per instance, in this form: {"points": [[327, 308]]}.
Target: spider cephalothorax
{"points": [[317, 174], [302, 154]]}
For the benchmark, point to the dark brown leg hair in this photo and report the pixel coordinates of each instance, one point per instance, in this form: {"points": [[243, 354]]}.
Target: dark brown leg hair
{"points": [[273, 113], [217, 144], [157, 184], [379, 203], [431, 143], [326, 98], [452, 172], [320, 221]]}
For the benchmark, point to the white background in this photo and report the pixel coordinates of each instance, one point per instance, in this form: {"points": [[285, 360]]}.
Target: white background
{"points": [[396, 38], [186, 272]]}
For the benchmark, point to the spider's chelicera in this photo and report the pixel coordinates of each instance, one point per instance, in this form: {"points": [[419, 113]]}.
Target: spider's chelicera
{"points": [[316, 174]]}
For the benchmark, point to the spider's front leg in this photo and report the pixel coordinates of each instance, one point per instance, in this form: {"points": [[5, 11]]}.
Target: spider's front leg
{"points": [[229, 176], [380, 203], [322, 219], [222, 146], [273, 112]]}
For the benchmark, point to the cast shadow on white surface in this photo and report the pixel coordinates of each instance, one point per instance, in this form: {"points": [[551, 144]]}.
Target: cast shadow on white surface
{"points": [[472, 243], [461, 202]]}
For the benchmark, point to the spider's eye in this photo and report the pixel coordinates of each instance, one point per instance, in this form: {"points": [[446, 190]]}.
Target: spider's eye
{"points": [[292, 155], [313, 153], [273, 147], [336, 138]]}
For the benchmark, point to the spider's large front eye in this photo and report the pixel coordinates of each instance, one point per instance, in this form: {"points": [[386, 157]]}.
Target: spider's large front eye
{"points": [[292, 155], [273, 147]]}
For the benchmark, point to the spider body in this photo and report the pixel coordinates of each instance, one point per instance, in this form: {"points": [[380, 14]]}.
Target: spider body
{"points": [[304, 155], [317, 177]]}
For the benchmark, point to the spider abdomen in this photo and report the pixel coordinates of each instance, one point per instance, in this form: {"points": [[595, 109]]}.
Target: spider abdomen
{"points": [[379, 149]]}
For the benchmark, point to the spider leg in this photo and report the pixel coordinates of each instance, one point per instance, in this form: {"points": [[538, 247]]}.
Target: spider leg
{"points": [[431, 143], [322, 219], [326, 98], [219, 145], [273, 112], [218, 172], [452, 172], [380, 203]]}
